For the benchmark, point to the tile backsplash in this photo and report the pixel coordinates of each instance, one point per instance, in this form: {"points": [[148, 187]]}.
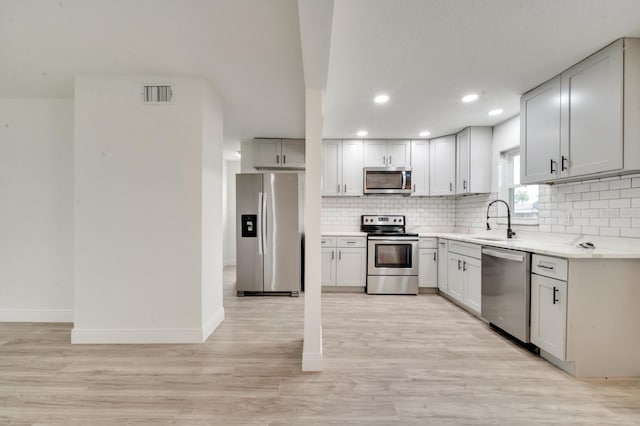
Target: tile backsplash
{"points": [[420, 211], [606, 207]]}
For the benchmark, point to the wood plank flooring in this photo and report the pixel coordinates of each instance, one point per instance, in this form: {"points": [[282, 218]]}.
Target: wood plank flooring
{"points": [[389, 360]]}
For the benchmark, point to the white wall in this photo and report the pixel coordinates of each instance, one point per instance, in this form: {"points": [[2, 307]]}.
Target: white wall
{"points": [[231, 168], [145, 177], [36, 231], [212, 212]]}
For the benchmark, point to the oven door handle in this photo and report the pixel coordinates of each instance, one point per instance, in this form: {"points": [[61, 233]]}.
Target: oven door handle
{"points": [[414, 239]]}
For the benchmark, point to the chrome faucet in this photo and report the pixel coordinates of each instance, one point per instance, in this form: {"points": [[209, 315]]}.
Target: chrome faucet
{"points": [[510, 232]]}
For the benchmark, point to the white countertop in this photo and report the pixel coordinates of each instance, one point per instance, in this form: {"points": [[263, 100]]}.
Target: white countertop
{"points": [[605, 248], [560, 245]]}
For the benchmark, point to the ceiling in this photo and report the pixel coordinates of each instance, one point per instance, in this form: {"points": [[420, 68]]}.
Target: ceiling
{"points": [[425, 54], [248, 49]]}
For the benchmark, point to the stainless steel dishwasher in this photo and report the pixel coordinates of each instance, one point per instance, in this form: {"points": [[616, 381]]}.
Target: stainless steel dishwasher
{"points": [[506, 290]]}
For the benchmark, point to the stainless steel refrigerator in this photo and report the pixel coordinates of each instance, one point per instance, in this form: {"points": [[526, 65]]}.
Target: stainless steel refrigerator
{"points": [[268, 233]]}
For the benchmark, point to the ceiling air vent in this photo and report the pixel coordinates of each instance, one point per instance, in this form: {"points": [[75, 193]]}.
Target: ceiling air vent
{"points": [[157, 94]]}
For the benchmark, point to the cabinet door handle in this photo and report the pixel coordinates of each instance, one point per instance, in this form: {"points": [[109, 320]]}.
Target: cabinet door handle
{"points": [[459, 264], [333, 254], [552, 163], [464, 184], [384, 160], [414, 187], [555, 291], [277, 158], [339, 254], [434, 256], [389, 160], [450, 187], [338, 188], [464, 265], [562, 166], [345, 188], [284, 158]]}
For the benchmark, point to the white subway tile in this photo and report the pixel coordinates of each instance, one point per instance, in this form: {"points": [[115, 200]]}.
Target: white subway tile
{"points": [[610, 232], [600, 221], [620, 184], [608, 195], [599, 186], [590, 196], [573, 229], [632, 212], [620, 222], [630, 193], [630, 232], [591, 230], [599, 204], [635, 182], [620, 203]]}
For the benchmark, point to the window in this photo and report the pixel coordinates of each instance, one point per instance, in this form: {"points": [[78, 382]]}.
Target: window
{"points": [[522, 199]]}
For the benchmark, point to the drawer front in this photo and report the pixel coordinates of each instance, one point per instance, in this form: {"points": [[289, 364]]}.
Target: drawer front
{"points": [[352, 241], [547, 266], [328, 242], [427, 243], [466, 249]]}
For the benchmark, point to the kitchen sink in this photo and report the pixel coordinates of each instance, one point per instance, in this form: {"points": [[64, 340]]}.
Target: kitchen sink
{"points": [[487, 237]]}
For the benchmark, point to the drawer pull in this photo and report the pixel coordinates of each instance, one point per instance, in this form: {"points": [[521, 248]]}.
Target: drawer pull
{"points": [[550, 268]]}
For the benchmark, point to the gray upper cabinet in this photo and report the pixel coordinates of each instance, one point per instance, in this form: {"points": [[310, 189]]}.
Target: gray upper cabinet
{"points": [[278, 153], [387, 153], [473, 160], [591, 130], [584, 122], [442, 165], [342, 167], [540, 133], [420, 167]]}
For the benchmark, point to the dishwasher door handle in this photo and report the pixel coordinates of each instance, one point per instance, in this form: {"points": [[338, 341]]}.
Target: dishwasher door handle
{"points": [[503, 255]]}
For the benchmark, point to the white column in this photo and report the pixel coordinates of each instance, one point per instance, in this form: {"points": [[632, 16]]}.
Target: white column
{"points": [[312, 350]]}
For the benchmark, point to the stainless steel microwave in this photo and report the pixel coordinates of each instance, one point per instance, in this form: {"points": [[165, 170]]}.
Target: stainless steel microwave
{"points": [[387, 180]]}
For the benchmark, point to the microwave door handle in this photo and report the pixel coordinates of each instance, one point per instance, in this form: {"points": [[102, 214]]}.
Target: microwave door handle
{"points": [[404, 179]]}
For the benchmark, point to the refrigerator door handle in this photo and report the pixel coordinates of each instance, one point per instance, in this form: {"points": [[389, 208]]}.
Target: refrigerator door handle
{"points": [[260, 222], [263, 219]]}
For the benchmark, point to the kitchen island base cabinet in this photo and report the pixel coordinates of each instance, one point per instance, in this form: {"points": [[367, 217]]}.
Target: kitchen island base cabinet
{"points": [[600, 333], [343, 263]]}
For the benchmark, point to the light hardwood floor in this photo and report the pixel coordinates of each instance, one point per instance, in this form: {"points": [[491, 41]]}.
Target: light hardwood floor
{"points": [[389, 360]]}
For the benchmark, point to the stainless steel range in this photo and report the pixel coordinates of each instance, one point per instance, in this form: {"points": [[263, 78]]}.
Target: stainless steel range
{"points": [[392, 255]]}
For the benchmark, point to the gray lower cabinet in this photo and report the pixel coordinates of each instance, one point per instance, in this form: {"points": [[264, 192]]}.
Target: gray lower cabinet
{"points": [[464, 275], [344, 261]]}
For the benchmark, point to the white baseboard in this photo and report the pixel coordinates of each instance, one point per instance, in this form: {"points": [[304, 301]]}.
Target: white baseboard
{"points": [[135, 336], [212, 323], [148, 336], [36, 315], [311, 361]]}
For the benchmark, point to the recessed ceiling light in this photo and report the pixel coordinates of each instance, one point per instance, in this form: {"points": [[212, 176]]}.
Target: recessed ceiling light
{"points": [[425, 133], [496, 111], [470, 97], [362, 133], [381, 99]]}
